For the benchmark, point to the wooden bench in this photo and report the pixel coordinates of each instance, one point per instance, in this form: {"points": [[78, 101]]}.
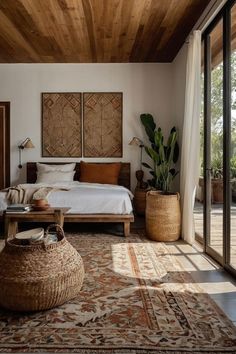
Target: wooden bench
{"points": [[50, 215], [108, 218]]}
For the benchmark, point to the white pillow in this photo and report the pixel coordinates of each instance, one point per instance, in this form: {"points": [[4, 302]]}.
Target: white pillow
{"points": [[68, 167], [55, 176]]}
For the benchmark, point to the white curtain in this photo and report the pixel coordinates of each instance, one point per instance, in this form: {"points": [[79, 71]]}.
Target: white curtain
{"points": [[189, 171]]}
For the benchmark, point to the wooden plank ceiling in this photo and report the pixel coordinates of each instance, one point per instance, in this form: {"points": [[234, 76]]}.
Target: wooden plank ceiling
{"points": [[104, 31]]}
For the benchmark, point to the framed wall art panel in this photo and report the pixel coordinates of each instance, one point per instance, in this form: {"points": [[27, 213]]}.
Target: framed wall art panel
{"points": [[102, 124], [61, 125]]}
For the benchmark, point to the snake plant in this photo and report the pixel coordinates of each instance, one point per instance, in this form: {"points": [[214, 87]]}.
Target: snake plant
{"points": [[163, 156]]}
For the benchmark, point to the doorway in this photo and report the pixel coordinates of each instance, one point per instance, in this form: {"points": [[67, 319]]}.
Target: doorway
{"points": [[215, 207]]}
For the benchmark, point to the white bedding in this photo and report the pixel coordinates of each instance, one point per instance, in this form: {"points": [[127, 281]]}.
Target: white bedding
{"points": [[85, 198]]}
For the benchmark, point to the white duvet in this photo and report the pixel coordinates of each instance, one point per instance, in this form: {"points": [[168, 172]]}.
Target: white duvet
{"points": [[85, 198]]}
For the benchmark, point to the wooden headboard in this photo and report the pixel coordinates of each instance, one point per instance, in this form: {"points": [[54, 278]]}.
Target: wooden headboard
{"points": [[124, 178]]}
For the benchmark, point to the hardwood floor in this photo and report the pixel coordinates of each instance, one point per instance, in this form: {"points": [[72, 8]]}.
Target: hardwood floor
{"points": [[209, 275]]}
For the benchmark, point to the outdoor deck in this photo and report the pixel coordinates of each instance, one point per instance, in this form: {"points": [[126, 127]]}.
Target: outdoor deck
{"points": [[216, 240]]}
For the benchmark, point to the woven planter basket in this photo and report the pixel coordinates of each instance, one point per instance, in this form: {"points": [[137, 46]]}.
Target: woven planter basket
{"points": [[163, 218], [39, 277]]}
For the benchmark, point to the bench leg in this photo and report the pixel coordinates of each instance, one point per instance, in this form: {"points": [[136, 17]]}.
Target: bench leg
{"points": [[10, 227], [59, 217], [126, 228]]}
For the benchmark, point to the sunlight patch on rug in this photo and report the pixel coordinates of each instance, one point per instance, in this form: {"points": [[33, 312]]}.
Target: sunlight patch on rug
{"points": [[129, 260], [136, 297]]}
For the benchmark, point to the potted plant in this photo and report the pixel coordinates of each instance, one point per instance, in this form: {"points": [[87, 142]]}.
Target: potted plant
{"points": [[217, 179], [163, 218]]}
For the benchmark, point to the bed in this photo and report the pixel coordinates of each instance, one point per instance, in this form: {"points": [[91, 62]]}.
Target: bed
{"points": [[106, 197]]}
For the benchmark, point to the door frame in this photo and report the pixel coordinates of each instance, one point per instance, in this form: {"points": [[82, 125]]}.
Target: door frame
{"points": [[225, 15], [6, 105]]}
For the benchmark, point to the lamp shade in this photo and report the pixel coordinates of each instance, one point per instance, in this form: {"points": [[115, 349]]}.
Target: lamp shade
{"points": [[136, 141], [27, 143]]}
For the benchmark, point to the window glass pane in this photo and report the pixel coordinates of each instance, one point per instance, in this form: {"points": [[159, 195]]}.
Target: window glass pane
{"points": [[216, 143]]}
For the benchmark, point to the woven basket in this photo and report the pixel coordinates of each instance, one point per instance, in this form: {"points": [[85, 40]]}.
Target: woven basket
{"points": [[39, 277], [163, 218]]}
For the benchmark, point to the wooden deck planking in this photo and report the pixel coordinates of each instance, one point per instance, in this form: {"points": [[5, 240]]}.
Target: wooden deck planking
{"points": [[216, 240]]}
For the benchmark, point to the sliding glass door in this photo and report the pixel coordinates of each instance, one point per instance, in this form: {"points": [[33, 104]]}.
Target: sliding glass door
{"points": [[214, 147], [232, 244], [218, 180]]}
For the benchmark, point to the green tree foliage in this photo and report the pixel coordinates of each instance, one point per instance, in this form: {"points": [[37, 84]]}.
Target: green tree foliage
{"points": [[217, 116]]}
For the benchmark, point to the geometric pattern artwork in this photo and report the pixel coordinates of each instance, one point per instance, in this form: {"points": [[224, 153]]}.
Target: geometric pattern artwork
{"points": [[61, 125], [102, 120]]}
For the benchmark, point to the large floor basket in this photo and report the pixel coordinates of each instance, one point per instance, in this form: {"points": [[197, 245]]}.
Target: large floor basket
{"points": [[163, 217], [39, 277]]}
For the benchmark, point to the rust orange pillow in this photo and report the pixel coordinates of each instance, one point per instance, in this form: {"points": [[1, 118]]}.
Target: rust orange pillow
{"points": [[107, 173]]}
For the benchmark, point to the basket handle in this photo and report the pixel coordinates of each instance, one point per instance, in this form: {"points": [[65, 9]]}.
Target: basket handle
{"points": [[8, 238], [56, 226]]}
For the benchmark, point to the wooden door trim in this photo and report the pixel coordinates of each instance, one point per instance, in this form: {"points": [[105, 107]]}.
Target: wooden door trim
{"points": [[6, 106]]}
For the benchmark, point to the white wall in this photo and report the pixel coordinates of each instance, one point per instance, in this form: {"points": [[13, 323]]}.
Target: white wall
{"points": [[145, 87]]}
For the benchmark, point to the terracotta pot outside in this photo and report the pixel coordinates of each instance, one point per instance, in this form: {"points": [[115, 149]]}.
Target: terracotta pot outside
{"points": [[217, 190]]}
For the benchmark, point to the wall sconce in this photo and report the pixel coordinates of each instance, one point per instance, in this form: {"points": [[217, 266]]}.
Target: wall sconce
{"points": [[26, 144], [139, 174], [138, 142]]}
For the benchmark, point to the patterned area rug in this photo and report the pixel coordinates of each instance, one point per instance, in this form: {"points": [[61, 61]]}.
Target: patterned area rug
{"points": [[136, 298]]}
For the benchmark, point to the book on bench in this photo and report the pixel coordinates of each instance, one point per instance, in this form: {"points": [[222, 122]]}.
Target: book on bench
{"points": [[15, 208]]}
